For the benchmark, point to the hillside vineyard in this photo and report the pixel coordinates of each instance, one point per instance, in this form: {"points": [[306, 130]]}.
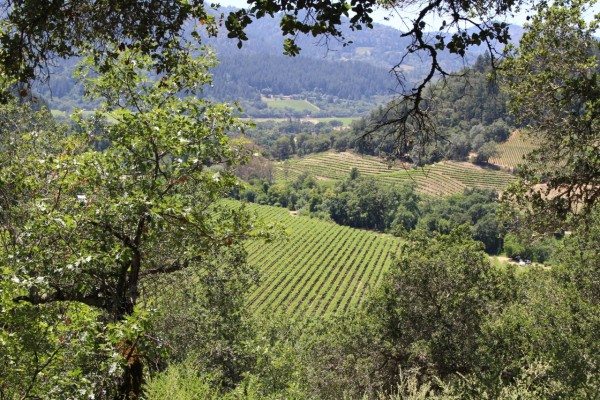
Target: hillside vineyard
{"points": [[440, 179], [321, 268]]}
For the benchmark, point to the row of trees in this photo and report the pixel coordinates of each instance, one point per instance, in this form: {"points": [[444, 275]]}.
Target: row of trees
{"points": [[364, 203]]}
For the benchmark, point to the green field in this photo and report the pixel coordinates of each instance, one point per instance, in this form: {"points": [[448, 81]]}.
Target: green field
{"points": [[511, 152], [440, 179], [346, 121], [292, 104], [320, 269]]}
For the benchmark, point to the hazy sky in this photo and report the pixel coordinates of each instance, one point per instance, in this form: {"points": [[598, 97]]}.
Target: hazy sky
{"points": [[398, 23], [380, 16]]}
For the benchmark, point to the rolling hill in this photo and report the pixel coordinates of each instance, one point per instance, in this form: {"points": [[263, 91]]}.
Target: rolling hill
{"points": [[356, 70], [440, 179]]}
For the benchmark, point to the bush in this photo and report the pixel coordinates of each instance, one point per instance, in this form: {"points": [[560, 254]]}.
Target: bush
{"points": [[180, 382], [513, 247], [538, 251], [486, 151]]}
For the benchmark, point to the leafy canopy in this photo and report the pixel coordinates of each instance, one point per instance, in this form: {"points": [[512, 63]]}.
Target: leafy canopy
{"points": [[92, 211], [554, 84]]}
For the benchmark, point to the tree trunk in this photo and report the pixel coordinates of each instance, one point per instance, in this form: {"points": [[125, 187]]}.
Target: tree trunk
{"points": [[132, 378], [130, 387]]}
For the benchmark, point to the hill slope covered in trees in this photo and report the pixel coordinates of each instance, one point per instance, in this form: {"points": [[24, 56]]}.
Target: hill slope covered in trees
{"points": [[359, 70]]}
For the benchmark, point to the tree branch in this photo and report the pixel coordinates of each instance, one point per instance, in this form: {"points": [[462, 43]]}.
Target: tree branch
{"points": [[122, 237], [174, 267], [92, 299]]}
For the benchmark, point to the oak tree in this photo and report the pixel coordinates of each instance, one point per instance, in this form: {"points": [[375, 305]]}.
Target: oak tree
{"points": [[554, 84], [91, 212]]}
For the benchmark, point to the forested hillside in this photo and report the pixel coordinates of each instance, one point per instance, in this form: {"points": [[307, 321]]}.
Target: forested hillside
{"points": [[469, 114], [381, 46], [247, 75], [329, 70]]}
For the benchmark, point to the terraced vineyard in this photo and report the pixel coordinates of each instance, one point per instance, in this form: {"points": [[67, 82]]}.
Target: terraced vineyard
{"points": [[511, 152], [322, 268], [441, 179], [330, 165]]}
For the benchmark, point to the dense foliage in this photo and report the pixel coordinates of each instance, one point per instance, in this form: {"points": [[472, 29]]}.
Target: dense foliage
{"points": [[285, 76], [124, 274], [282, 140], [95, 210], [560, 106], [361, 202], [445, 324], [467, 112]]}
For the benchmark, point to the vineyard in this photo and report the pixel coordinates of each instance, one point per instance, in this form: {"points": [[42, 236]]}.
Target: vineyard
{"points": [[440, 179], [319, 268], [511, 152], [292, 104]]}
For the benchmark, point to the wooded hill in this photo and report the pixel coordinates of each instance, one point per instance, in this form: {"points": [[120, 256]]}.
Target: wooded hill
{"points": [[328, 70]]}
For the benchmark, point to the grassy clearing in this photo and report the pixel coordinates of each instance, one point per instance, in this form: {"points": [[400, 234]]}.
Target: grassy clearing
{"points": [[64, 114], [346, 121], [59, 114], [86, 113], [294, 105]]}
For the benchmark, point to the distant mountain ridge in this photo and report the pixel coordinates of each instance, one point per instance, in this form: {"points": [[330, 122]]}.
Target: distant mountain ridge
{"points": [[359, 70], [381, 46]]}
